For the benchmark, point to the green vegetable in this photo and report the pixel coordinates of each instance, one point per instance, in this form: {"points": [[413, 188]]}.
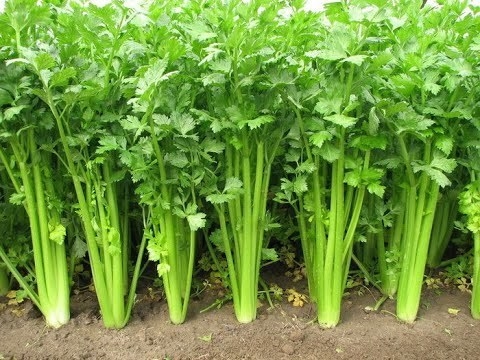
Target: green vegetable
{"points": [[243, 114], [166, 156], [469, 205], [435, 92], [328, 163], [82, 109], [24, 131], [361, 118]]}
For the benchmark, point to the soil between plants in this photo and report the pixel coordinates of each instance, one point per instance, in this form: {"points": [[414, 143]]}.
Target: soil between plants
{"points": [[282, 332]]}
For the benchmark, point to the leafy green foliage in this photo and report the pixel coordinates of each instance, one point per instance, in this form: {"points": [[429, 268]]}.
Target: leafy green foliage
{"points": [[200, 113]]}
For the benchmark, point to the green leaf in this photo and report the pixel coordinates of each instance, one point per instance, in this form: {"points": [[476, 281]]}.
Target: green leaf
{"points": [[57, 233], [151, 75], [45, 75], [162, 269], [444, 164], [433, 173], [5, 97], [461, 67], [199, 31], [79, 248], [409, 121], [439, 177], [213, 79], [353, 178], [213, 146], [376, 188], [397, 22], [132, 123], [206, 338], [299, 185], [232, 185], [177, 159], [114, 242], [329, 152], [445, 144], [371, 174], [17, 198], [216, 239], [196, 221], [235, 114], [355, 59], [367, 142], [17, 60], [332, 54], [306, 167], [432, 88], [61, 77], [320, 137], [178, 211], [269, 254], [327, 106], [219, 198], [390, 163], [403, 84], [257, 122], [156, 247], [342, 120], [107, 143], [13, 111], [223, 66], [184, 123], [44, 61]]}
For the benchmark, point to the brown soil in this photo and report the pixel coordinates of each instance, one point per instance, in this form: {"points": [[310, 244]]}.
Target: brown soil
{"points": [[284, 332]]}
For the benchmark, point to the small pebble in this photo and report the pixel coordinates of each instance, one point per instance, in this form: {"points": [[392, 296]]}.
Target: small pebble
{"points": [[297, 336], [288, 349]]}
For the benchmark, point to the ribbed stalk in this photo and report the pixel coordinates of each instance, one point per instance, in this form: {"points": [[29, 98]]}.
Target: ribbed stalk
{"points": [[4, 280], [475, 303]]}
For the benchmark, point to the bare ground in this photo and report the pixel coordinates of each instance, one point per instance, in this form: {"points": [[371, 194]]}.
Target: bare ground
{"points": [[283, 332]]}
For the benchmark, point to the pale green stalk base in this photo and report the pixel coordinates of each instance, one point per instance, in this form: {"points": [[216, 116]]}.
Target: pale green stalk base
{"points": [[407, 316], [329, 307], [176, 318], [58, 317], [475, 304], [246, 317], [4, 281], [329, 320]]}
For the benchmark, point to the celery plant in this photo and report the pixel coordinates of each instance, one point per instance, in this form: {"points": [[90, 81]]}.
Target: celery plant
{"points": [[79, 86], [166, 156], [329, 168], [427, 99], [165, 160], [469, 205], [469, 198], [233, 45], [24, 126]]}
